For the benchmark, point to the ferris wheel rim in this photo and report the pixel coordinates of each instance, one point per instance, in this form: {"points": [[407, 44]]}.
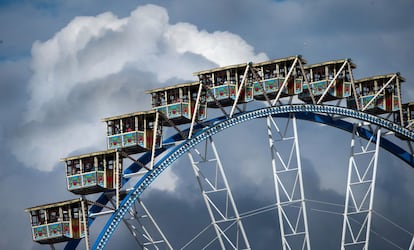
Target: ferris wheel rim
{"points": [[222, 123]]}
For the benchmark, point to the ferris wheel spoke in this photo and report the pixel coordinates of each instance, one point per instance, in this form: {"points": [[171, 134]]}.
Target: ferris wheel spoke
{"points": [[360, 190], [213, 184], [289, 185]]}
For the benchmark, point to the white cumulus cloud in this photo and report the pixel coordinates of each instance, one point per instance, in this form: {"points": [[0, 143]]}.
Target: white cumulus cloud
{"points": [[100, 65]]}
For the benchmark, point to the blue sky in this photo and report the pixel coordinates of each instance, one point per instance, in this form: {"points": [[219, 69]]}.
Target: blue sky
{"points": [[64, 65]]}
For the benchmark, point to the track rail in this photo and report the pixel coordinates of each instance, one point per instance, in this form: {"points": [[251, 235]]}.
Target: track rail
{"points": [[303, 111]]}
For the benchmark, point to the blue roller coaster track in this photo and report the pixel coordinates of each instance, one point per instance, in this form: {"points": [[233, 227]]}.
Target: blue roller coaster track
{"points": [[314, 113]]}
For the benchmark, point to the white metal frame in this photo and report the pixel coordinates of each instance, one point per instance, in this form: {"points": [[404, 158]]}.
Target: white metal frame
{"points": [[360, 189], [290, 198], [224, 215], [144, 228]]}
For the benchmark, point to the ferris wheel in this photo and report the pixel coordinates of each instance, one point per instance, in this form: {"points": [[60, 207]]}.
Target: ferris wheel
{"points": [[186, 122]]}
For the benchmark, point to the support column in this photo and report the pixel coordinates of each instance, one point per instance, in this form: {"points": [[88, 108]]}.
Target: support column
{"points": [[360, 188], [287, 173], [218, 198]]}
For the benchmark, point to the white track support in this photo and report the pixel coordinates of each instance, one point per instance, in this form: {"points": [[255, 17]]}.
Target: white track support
{"points": [[218, 198], [287, 173], [241, 86], [412, 244], [144, 228], [154, 139], [285, 82], [333, 81], [84, 208], [379, 92], [360, 188]]}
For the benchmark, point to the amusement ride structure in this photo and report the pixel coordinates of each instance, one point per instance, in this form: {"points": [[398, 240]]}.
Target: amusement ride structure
{"points": [[279, 92]]}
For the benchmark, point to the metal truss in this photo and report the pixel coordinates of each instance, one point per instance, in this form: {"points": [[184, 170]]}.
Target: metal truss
{"points": [[143, 228], [288, 182], [302, 111], [360, 189], [218, 198]]}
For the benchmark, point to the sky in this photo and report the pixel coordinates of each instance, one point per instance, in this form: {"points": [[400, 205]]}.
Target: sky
{"points": [[64, 65]]}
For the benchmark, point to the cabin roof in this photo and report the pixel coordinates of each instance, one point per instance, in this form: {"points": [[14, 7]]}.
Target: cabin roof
{"points": [[187, 84], [340, 61], [378, 77], [55, 204], [103, 152], [128, 115], [286, 59], [241, 65], [408, 104], [218, 69]]}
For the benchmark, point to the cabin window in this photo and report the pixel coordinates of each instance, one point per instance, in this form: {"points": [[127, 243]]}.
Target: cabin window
{"points": [[173, 96], [141, 122], [53, 215], [221, 78], [35, 217], [100, 163], [42, 217], [185, 94], [282, 72], [194, 96], [157, 99], [68, 167], [75, 212], [206, 79], [110, 164], [128, 124], [73, 167], [411, 113], [114, 127], [233, 79], [298, 72], [65, 213], [269, 71], [87, 164]]}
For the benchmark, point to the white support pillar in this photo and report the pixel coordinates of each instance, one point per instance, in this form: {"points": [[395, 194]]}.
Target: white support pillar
{"points": [[287, 173], [154, 139], [218, 198], [359, 199], [144, 228], [84, 209], [412, 244]]}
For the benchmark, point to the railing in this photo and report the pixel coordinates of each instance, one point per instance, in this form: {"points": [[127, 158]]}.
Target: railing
{"points": [[222, 92], [51, 230], [126, 139], [182, 109], [88, 179]]}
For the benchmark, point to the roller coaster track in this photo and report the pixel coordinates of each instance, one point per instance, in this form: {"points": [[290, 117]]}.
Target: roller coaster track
{"points": [[315, 113]]}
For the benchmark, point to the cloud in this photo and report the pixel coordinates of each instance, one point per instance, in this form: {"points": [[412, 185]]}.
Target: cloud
{"points": [[97, 66]]}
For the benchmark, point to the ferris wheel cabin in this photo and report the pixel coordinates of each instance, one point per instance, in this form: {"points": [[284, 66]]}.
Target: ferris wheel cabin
{"points": [[177, 103], [327, 81], [94, 172], [134, 132], [270, 76], [406, 117], [378, 94], [58, 222], [222, 85]]}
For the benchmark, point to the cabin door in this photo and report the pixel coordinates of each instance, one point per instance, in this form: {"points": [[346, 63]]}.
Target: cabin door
{"points": [[388, 102]]}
